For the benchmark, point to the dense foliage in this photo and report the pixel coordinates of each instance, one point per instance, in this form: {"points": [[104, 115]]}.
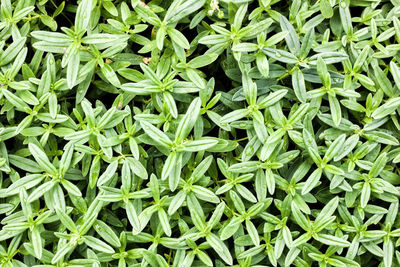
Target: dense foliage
{"points": [[199, 133]]}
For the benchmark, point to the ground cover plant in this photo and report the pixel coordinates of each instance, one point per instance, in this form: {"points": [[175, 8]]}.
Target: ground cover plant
{"points": [[199, 133]]}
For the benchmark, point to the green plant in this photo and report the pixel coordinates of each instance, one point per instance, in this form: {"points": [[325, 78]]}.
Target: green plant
{"points": [[199, 133]]}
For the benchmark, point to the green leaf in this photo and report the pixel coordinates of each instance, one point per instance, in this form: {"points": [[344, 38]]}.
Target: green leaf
{"points": [[171, 104], [291, 38], [244, 47], [42, 159], [196, 211], [37, 242], [169, 165], [202, 61], [394, 69], [163, 217], [82, 17], [281, 55], [97, 244], [262, 65], [335, 110], [312, 181], [107, 233], [331, 240], [176, 202], [383, 81], [66, 221], [251, 229], [15, 100], [187, 122], [378, 165], [61, 252], [110, 75], [326, 8], [12, 51], [138, 168], [178, 38], [299, 217], [365, 194], [327, 211], [133, 217], [40, 190], [205, 194], [220, 248], [387, 108], [184, 9], [272, 98], [299, 85], [298, 114], [245, 167], [108, 173], [311, 146], [26, 182], [345, 17], [157, 135], [334, 148], [71, 188], [199, 145]]}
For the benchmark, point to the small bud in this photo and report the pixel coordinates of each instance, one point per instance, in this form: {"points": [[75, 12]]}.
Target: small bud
{"points": [[146, 60], [143, 4]]}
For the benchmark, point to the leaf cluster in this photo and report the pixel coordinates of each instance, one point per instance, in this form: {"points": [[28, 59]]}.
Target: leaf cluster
{"points": [[199, 133]]}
